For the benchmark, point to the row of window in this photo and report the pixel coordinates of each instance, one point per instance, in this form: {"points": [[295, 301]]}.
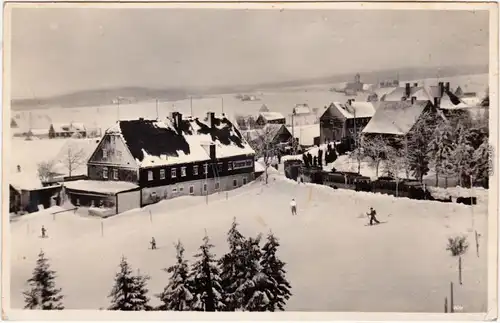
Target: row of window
{"points": [[183, 170], [114, 173], [180, 188]]}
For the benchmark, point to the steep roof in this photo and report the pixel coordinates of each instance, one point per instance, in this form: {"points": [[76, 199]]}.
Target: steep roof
{"points": [[154, 142], [400, 92], [271, 129], [355, 109], [271, 115], [302, 109], [395, 117]]}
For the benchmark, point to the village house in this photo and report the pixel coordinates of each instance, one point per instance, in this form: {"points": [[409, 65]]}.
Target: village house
{"points": [[72, 129], [352, 88], [139, 162], [344, 120], [269, 118], [277, 135], [302, 115], [306, 136]]}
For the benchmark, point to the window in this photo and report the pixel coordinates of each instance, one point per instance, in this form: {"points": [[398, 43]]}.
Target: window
{"points": [[119, 154], [162, 174], [229, 165], [174, 190], [115, 174], [249, 163], [104, 172], [173, 172], [235, 182], [150, 175], [219, 167], [191, 189], [183, 171], [195, 170], [204, 187], [217, 185], [181, 189], [104, 153], [205, 168], [244, 181], [242, 164]]}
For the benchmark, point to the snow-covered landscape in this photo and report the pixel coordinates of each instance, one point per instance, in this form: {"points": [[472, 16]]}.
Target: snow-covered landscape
{"points": [[334, 261], [256, 161]]}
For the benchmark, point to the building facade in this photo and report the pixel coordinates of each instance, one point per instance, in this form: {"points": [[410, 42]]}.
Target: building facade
{"points": [[151, 160]]}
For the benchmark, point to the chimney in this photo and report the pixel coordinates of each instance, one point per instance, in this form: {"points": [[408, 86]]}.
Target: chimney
{"points": [[407, 90], [413, 99], [210, 119], [18, 168], [174, 117], [212, 152], [441, 88], [436, 102], [447, 87], [415, 84]]}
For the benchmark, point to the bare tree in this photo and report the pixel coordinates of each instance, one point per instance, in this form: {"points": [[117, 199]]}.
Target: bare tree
{"points": [[265, 147], [72, 157], [46, 171], [396, 162], [376, 149]]}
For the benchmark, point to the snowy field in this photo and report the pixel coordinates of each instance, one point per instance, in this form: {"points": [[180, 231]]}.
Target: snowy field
{"points": [[334, 261]]}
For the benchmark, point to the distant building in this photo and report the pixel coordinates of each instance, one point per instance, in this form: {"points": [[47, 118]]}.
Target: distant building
{"points": [[344, 120], [306, 135], [270, 118], [139, 162], [352, 88], [72, 129], [264, 108], [13, 123], [303, 115]]}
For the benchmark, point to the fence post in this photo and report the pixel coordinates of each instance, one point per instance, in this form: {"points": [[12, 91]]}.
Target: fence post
{"points": [[150, 216], [446, 304], [226, 195], [460, 269], [477, 243], [102, 228], [451, 298]]}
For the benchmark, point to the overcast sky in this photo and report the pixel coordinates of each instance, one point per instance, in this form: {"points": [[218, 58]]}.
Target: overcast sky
{"points": [[56, 51]]}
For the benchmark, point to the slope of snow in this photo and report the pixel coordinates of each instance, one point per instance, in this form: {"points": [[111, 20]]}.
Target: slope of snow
{"points": [[334, 261]]}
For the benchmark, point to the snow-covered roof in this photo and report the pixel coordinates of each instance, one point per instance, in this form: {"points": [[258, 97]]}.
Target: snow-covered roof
{"points": [[106, 187], [305, 133], [355, 109], [271, 129], [25, 181], [302, 109], [268, 116], [154, 142], [395, 117], [400, 92]]}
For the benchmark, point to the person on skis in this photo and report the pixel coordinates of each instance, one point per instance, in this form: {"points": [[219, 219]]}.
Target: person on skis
{"points": [[293, 206], [153, 243], [43, 231], [372, 215]]}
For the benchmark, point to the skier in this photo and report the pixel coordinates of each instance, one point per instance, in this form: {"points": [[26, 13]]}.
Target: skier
{"points": [[43, 231], [372, 216], [293, 206], [153, 243]]}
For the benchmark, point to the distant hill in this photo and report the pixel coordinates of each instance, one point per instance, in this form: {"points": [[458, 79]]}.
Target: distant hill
{"points": [[97, 97]]}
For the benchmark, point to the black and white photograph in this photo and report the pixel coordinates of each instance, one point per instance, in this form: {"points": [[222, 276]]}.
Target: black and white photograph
{"points": [[271, 158]]}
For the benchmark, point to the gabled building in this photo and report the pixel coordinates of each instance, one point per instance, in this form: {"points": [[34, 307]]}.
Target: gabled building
{"points": [[302, 115], [270, 118], [72, 129], [139, 162], [344, 120]]}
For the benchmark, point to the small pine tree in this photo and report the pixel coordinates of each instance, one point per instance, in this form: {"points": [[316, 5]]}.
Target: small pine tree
{"points": [[43, 295], [463, 154], [177, 295], [254, 290], [481, 162], [273, 268], [441, 148], [232, 265], [129, 292], [206, 281]]}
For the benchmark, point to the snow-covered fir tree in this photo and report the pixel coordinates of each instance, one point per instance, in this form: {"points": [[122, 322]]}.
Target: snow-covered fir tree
{"points": [[481, 162], [129, 292], [232, 265], [43, 294], [177, 295], [417, 146], [441, 147], [254, 291], [206, 281], [274, 269], [463, 154]]}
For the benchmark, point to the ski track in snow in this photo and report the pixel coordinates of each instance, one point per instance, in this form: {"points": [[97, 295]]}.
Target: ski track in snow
{"points": [[334, 262]]}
